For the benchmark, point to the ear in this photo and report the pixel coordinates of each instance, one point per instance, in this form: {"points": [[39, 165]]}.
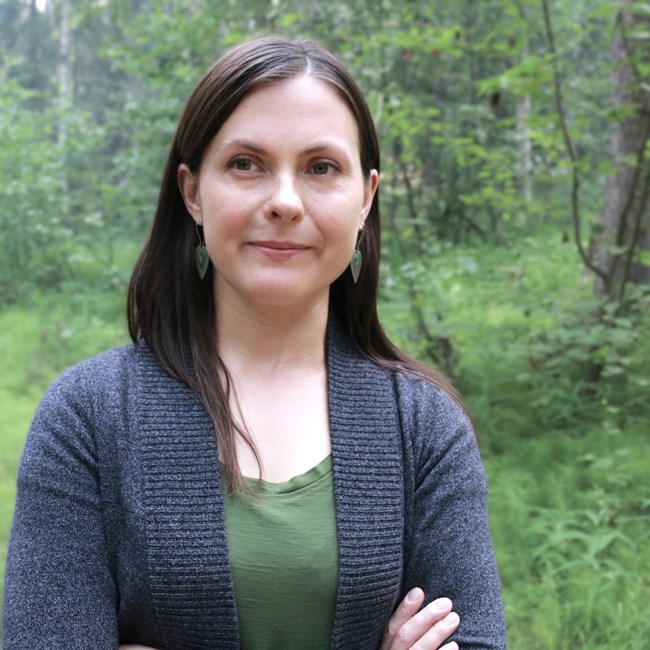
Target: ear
{"points": [[369, 190], [188, 184]]}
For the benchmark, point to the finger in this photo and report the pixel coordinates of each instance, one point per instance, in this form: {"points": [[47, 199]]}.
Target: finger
{"points": [[450, 646], [437, 634], [421, 624], [409, 606]]}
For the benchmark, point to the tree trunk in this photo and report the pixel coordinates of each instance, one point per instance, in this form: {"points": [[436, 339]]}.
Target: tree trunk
{"points": [[626, 212], [64, 89]]}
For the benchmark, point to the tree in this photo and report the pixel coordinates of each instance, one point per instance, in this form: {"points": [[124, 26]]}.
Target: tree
{"points": [[625, 248], [620, 248]]}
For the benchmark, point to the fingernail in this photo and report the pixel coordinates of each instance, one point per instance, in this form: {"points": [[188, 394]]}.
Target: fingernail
{"points": [[412, 595], [441, 604], [451, 620]]}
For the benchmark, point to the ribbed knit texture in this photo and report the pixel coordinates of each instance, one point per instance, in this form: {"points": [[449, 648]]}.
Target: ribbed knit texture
{"points": [[369, 494], [119, 532], [188, 566]]}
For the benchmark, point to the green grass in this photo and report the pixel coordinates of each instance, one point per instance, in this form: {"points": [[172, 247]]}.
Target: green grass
{"points": [[569, 515], [567, 462]]}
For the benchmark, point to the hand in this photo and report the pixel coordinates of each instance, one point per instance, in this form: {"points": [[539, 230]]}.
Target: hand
{"points": [[409, 628]]}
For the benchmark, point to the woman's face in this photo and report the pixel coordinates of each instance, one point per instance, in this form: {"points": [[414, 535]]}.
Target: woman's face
{"points": [[281, 195]]}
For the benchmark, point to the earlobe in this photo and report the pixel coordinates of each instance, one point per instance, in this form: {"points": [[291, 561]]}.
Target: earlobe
{"points": [[188, 184], [369, 194], [362, 218]]}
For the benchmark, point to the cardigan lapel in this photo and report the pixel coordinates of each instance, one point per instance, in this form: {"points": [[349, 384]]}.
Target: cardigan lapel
{"points": [[188, 566], [368, 487]]}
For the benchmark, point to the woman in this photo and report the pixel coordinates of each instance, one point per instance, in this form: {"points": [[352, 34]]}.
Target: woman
{"points": [[262, 467]]}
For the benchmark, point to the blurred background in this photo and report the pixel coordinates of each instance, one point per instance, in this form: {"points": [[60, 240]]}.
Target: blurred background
{"points": [[516, 250]]}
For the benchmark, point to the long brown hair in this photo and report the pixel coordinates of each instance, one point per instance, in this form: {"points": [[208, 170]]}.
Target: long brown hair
{"points": [[174, 311]]}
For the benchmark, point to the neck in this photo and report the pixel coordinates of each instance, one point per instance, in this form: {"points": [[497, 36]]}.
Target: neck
{"points": [[272, 340]]}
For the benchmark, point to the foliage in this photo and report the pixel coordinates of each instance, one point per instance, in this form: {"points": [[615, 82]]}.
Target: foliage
{"points": [[479, 273], [462, 96], [52, 226]]}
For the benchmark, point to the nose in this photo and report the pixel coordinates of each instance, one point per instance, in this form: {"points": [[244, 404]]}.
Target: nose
{"points": [[285, 203]]}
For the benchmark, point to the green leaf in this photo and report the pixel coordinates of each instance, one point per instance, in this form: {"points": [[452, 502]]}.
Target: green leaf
{"points": [[643, 256], [601, 353]]}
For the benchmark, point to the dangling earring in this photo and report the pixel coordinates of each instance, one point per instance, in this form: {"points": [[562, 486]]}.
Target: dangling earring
{"points": [[357, 258], [201, 254]]}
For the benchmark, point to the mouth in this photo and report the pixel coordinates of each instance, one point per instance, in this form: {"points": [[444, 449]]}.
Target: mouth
{"points": [[278, 249], [280, 245]]}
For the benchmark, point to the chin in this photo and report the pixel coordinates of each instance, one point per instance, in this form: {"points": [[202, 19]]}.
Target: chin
{"points": [[287, 295], [298, 289]]}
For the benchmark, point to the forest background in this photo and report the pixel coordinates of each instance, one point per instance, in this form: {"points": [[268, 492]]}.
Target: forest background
{"points": [[516, 255]]}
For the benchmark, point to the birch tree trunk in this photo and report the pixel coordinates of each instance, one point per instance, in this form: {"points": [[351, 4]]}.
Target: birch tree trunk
{"points": [[65, 91]]}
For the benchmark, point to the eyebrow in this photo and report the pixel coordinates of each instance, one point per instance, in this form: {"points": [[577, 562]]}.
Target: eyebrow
{"points": [[317, 147], [324, 145], [241, 143]]}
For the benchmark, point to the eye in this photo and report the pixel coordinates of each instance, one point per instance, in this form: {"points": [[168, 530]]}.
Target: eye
{"points": [[243, 165], [323, 168]]}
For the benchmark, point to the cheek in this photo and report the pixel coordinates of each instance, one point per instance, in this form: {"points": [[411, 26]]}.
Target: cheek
{"points": [[344, 218], [223, 216], [343, 240]]}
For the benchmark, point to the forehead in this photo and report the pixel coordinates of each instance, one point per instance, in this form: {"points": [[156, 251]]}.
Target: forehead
{"points": [[296, 109]]}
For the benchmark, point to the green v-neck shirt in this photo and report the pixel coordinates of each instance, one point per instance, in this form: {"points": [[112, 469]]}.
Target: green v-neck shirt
{"points": [[283, 550]]}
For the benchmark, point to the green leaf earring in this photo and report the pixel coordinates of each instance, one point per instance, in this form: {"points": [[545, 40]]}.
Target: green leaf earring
{"points": [[357, 259], [201, 255]]}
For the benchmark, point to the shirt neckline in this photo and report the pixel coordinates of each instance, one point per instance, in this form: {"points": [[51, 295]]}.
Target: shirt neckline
{"points": [[295, 483]]}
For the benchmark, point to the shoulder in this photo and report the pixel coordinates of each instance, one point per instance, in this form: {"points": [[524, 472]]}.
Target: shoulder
{"points": [[88, 411], [109, 371], [92, 377], [428, 416], [62, 445], [417, 399], [425, 403], [92, 391], [436, 428]]}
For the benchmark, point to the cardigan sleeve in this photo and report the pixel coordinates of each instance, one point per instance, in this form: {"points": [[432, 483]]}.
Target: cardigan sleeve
{"points": [[449, 548], [59, 592]]}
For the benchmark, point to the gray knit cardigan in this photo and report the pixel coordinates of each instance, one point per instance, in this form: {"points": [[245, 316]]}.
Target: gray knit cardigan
{"points": [[118, 533]]}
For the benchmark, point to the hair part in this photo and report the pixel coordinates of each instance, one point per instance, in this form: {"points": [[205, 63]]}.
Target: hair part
{"points": [[174, 311]]}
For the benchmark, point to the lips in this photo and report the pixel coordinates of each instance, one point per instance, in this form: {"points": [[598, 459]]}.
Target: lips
{"points": [[279, 249], [280, 245]]}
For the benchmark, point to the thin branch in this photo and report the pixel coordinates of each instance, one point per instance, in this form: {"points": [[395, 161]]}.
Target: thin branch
{"points": [[410, 199], [568, 143], [472, 224]]}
